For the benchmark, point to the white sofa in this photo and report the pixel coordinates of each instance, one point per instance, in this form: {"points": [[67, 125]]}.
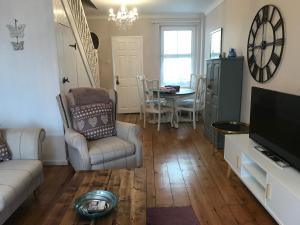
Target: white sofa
{"points": [[22, 175]]}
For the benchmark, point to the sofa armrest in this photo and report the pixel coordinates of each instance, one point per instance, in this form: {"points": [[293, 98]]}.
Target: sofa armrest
{"points": [[25, 143], [131, 132], [78, 142]]}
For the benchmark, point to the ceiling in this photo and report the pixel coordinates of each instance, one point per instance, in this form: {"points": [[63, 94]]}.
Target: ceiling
{"points": [[150, 7]]}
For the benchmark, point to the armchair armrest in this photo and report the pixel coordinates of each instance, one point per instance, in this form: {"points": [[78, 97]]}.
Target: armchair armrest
{"points": [[130, 132], [77, 142], [25, 143]]}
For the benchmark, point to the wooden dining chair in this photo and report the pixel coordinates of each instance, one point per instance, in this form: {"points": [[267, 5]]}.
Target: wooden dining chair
{"points": [[195, 104], [153, 103], [140, 79]]}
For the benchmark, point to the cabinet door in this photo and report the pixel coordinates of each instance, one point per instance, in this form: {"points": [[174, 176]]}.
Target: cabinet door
{"points": [[209, 76], [232, 154], [216, 136], [208, 119], [216, 76], [282, 204]]}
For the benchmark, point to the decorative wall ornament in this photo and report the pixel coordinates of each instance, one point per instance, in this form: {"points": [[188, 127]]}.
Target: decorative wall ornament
{"points": [[265, 43], [17, 31]]}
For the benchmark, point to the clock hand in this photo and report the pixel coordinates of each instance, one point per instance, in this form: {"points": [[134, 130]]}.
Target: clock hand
{"points": [[273, 43], [262, 44]]}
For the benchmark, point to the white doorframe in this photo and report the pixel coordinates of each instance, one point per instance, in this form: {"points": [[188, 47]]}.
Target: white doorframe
{"points": [[138, 67]]}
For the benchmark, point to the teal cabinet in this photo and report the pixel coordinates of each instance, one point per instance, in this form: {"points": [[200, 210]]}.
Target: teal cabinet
{"points": [[224, 80]]}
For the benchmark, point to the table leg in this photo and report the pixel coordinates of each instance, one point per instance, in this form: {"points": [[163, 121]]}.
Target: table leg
{"points": [[175, 121]]}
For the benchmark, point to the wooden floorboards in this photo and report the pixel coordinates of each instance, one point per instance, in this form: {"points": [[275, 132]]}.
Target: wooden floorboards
{"points": [[181, 171]]}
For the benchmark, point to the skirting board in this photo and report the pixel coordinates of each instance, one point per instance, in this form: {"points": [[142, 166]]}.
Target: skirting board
{"points": [[55, 162]]}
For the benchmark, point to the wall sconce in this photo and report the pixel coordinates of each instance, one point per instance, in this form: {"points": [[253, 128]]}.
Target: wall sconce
{"points": [[17, 31]]}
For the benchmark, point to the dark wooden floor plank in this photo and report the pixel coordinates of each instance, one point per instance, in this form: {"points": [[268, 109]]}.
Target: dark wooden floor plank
{"points": [[181, 171]]}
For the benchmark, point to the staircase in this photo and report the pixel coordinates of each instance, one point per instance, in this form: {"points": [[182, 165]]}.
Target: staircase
{"points": [[77, 19]]}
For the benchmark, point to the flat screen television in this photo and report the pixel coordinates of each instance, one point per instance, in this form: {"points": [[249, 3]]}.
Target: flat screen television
{"points": [[275, 123]]}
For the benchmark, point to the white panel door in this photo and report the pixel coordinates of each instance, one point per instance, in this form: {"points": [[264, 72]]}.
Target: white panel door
{"points": [[127, 52]]}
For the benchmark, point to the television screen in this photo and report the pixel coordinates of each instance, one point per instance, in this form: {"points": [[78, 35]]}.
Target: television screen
{"points": [[275, 123]]}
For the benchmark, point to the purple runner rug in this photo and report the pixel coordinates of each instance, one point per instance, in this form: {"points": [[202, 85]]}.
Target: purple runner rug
{"points": [[171, 216]]}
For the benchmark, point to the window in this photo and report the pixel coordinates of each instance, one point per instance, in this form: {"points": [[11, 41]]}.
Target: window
{"points": [[177, 55]]}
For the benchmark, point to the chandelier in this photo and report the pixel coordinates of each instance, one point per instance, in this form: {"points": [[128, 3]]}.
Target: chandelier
{"points": [[124, 17]]}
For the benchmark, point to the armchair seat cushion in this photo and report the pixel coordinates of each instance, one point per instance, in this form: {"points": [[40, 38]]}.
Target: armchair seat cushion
{"points": [[109, 149], [16, 178]]}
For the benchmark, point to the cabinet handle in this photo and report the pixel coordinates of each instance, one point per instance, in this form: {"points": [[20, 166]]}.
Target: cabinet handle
{"points": [[268, 191]]}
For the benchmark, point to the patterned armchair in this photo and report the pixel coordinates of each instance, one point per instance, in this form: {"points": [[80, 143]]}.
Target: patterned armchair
{"points": [[121, 151]]}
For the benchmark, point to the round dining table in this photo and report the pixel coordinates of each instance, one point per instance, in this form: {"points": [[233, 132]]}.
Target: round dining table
{"points": [[172, 97]]}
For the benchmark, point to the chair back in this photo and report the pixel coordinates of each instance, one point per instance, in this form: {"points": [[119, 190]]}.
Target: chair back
{"points": [[140, 80], [200, 93], [65, 101], [151, 88], [194, 81]]}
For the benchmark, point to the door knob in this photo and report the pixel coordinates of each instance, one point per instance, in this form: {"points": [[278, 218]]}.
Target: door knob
{"points": [[117, 81], [65, 80], [73, 46]]}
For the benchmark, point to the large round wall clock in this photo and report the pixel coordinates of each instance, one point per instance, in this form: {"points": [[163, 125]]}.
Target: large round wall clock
{"points": [[265, 43]]}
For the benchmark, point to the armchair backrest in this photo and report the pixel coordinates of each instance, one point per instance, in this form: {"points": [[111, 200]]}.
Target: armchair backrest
{"points": [[65, 101]]}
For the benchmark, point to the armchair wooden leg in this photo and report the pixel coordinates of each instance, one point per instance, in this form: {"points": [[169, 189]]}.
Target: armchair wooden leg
{"points": [[36, 194]]}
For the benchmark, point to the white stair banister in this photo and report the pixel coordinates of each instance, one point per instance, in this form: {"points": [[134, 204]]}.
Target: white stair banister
{"points": [[77, 19]]}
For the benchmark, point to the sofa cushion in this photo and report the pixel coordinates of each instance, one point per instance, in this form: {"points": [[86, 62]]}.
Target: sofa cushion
{"points": [[4, 151], [94, 121], [16, 177], [32, 167], [108, 149]]}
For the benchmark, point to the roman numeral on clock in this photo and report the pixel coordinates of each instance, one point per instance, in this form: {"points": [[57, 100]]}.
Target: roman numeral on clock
{"points": [[254, 70], [279, 41], [250, 47], [253, 33], [275, 59], [265, 14], [269, 74], [278, 24], [251, 61], [258, 21], [272, 14], [261, 75]]}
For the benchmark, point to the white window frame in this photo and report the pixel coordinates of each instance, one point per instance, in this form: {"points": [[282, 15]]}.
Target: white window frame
{"points": [[193, 46]]}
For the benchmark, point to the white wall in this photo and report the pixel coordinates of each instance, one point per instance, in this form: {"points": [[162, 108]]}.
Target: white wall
{"points": [[149, 28], [29, 78], [236, 16]]}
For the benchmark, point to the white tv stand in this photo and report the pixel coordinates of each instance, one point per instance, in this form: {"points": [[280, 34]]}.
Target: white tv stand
{"points": [[276, 188]]}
